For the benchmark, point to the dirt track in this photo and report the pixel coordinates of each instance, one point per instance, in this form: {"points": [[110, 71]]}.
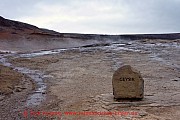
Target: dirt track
{"points": [[81, 79]]}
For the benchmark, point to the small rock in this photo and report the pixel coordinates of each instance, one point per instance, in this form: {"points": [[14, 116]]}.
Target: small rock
{"points": [[91, 96], [18, 90], [175, 80], [20, 87], [86, 109], [1, 97], [143, 113]]}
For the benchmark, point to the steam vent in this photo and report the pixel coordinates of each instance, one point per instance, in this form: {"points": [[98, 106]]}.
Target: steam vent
{"points": [[127, 83]]}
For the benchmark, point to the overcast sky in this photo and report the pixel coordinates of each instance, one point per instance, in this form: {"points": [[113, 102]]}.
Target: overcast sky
{"points": [[96, 16]]}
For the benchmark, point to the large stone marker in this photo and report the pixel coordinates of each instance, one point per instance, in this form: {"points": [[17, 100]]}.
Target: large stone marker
{"points": [[127, 83]]}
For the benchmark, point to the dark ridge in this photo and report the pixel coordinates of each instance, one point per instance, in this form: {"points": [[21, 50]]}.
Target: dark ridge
{"points": [[15, 24], [52, 32], [47, 34], [170, 36], [90, 36], [96, 45]]}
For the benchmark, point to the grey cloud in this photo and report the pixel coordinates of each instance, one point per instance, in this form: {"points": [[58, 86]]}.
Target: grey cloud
{"points": [[16, 8], [100, 16]]}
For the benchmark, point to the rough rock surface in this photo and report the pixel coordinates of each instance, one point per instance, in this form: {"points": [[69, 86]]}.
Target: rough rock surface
{"points": [[127, 83]]}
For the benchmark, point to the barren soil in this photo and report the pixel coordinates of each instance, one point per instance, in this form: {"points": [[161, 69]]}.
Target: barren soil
{"points": [[14, 89], [80, 80]]}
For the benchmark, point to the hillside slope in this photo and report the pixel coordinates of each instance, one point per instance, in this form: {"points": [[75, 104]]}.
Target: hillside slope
{"points": [[10, 29]]}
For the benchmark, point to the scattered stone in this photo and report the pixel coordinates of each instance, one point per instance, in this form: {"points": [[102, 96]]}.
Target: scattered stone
{"points": [[91, 96], [175, 80], [127, 83], [143, 113], [107, 107], [1, 97], [18, 90], [86, 109]]}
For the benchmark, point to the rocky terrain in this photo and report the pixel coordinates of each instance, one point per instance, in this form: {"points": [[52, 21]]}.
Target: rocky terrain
{"points": [[46, 75], [18, 36]]}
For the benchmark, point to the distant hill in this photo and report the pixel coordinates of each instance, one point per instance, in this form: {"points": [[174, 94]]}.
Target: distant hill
{"points": [[10, 29]]}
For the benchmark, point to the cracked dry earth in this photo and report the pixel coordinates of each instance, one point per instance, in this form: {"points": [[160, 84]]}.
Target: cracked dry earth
{"points": [[80, 80]]}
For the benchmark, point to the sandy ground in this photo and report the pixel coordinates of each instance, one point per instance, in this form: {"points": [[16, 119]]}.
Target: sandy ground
{"points": [[8, 80], [80, 81], [14, 89]]}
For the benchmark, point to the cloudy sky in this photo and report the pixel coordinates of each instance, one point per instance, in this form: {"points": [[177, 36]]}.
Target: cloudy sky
{"points": [[96, 16]]}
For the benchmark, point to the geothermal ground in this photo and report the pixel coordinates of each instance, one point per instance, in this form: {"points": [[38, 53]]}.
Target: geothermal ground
{"points": [[35, 83]]}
